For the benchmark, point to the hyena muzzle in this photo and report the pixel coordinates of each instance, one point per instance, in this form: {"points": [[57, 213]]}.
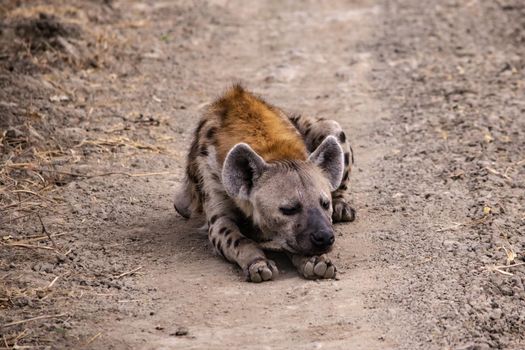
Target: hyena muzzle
{"points": [[267, 181]]}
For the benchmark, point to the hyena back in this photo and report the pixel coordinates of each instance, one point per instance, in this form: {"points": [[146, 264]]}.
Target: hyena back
{"points": [[265, 180]]}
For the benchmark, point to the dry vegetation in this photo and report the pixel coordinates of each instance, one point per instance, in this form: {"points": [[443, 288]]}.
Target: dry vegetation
{"points": [[46, 49]]}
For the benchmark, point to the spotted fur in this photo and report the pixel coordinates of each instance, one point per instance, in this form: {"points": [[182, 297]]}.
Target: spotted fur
{"points": [[247, 160]]}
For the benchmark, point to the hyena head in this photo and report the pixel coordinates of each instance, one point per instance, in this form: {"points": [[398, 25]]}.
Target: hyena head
{"points": [[290, 201]]}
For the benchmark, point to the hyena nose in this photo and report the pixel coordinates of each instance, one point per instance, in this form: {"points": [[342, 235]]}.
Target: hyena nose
{"points": [[322, 239]]}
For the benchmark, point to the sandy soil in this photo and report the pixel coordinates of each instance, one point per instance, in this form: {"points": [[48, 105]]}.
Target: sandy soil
{"points": [[98, 100]]}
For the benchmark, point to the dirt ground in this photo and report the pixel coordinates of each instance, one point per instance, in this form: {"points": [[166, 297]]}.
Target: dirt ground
{"points": [[98, 100]]}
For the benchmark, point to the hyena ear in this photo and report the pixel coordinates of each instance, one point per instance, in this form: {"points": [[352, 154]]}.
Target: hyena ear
{"points": [[329, 157], [242, 167]]}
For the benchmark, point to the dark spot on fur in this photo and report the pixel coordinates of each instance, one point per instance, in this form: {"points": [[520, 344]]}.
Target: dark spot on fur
{"points": [[215, 177], [227, 232], [219, 248], [343, 187], [236, 243], [229, 242], [198, 187], [214, 241], [191, 176], [211, 132], [213, 219], [342, 137], [199, 127], [204, 151], [307, 131], [222, 230], [347, 158]]}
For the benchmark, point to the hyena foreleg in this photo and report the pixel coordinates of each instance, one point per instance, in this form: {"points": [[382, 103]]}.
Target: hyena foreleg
{"points": [[314, 131], [225, 236]]}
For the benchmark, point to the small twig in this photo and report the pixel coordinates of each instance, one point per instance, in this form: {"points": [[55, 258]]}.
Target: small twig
{"points": [[32, 319], [89, 176], [503, 272], [34, 194], [509, 266], [44, 230], [40, 238], [128, 273], [457, 225], [495, 172], [28, 246], [92, 339], [501, 268], [52, 282]]}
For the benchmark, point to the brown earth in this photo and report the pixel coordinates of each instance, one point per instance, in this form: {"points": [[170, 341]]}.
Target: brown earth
{"points": [[97, 103]]}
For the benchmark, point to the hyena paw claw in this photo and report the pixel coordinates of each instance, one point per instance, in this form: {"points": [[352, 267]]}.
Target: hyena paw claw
{"points": [[343, 212], [319, 267], [261, 270]]}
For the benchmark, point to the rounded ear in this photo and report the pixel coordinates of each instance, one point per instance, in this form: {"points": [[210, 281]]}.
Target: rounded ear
{"points": [[242, 167], [329, 157]]}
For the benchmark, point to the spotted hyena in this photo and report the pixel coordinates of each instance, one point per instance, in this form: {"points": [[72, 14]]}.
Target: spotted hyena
{"points": [[266, 180]]}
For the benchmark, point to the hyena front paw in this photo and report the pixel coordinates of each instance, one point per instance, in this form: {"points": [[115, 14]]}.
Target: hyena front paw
{"points": [[319, 267], [261, 270], [343, 212]]}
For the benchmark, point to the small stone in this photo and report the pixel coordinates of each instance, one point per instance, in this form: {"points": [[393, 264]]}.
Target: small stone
{"points": [[22, 301], [47, 268], [180, 332], [40, 293]]}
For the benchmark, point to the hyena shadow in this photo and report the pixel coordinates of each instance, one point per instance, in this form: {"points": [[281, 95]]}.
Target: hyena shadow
{"points": [[174, 242]]}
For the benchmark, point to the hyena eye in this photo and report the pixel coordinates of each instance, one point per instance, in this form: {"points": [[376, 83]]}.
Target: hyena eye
{"points": [[295, 209], [325, 203]]}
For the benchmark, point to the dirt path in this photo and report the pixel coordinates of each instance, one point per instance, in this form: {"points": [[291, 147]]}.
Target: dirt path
{"points": [[99, 104], [273, 46]]}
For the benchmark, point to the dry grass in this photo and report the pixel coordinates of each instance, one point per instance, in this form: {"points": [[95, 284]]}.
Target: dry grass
{"points": [[62, 32]]}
